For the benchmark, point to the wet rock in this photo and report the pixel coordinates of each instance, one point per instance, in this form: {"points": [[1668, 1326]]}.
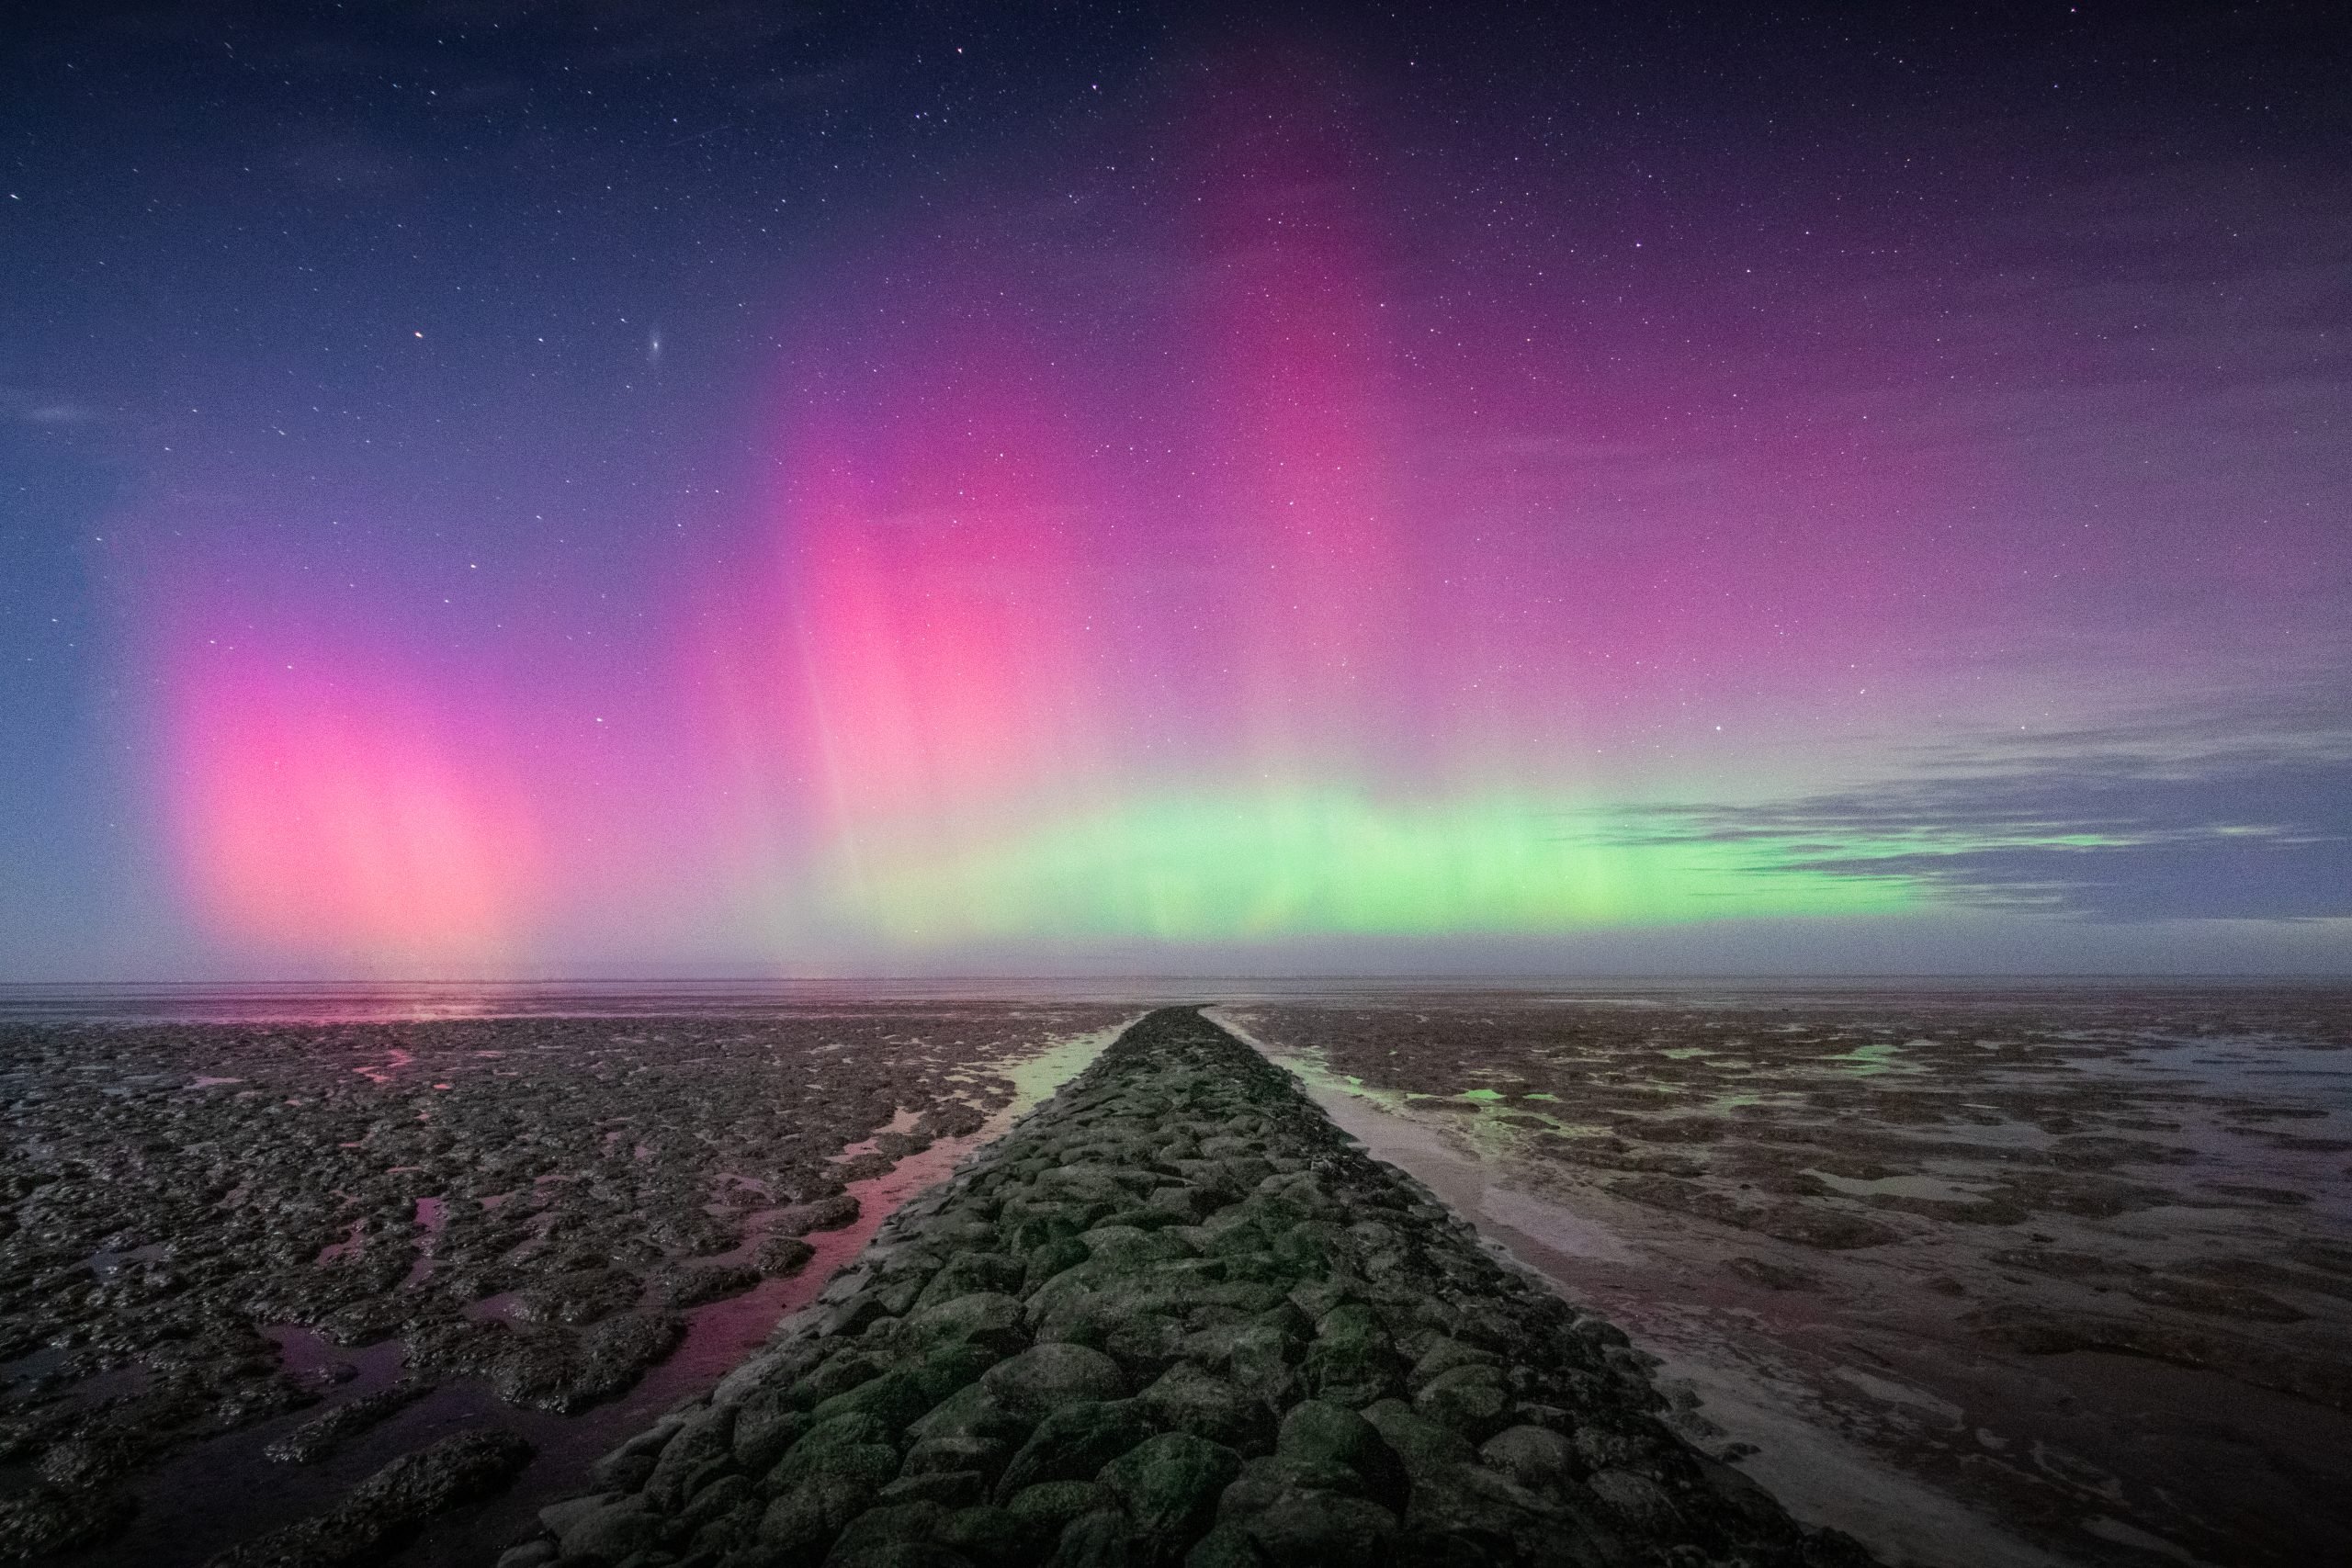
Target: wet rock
{"points": [[1169, 1484], [1074, 1443], [1081, 1348], [803, 1519], [1320, 1433], [1508, 1522], [959, 1453], [948, 1488], [972, 1413], [765, 1426], [983, 1317], [1473, 1400], [1050, 1505], [698, 1450], [1266, 1480], [2213, 1300], [612, 1533], [1187, 1399], [878, 1533], [1635, 1499], [1309, 1528], [1351, 1361], [1227, 1545], [857, 1444], [1107, 1540], [1047, 1377], [1424, 1446], [1538, 1458]]}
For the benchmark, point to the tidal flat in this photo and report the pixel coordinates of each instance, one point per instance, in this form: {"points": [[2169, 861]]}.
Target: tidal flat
{"points": [[247, 1267], [1980, 1276], [2034, 1275]]}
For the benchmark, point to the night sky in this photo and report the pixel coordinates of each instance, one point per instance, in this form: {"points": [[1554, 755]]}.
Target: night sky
{"points": [[614, 486]]}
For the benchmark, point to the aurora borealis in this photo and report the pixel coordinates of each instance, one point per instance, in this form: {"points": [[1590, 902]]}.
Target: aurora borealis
{"points": [[531, 489]]}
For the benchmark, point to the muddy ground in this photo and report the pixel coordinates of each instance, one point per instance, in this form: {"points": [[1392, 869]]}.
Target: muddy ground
{"points": [[245, 1267], [1988, 1276]]}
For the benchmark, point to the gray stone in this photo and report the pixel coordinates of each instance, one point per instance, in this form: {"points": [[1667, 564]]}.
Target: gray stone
{"points": [[1422, 1444], [1047, 1377], [1266, 1480], [1040, 1512], [1101, 1540], [1170, 1483], [992, 1536], [1186, 1399], [624, 1526], [957, 1451], [948, 1488], [1323, 1433], [894, 1399], [1475, 1505], [1635, 1500], [1539, 1460], [706, 1440], [856, 1445], [1309, 1529], [887, 1523], [808, 1515], [1074, 1443], [982, 1318], [1351, 1361], [1471, 1399], [721, 1498], [1443, 1356], [765, 1426], [558, 1517], [970, 1412]]}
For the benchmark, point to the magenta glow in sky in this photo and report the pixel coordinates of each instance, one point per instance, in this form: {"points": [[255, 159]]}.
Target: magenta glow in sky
{"points": [[1292, 518]]}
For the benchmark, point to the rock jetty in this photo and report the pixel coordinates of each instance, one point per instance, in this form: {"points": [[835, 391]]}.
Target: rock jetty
{"points": [[1176, 1317]]}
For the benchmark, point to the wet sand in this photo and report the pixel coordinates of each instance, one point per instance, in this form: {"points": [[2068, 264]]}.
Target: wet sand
{"points": [[233, 1244], [1983, 1277]]}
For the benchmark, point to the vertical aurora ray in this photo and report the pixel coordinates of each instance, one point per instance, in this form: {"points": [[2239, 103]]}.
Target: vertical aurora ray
{"points": [[1008, 681], [1296, 418], [913, 669]]}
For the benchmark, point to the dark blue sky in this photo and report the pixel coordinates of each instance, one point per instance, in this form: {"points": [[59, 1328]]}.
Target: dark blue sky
{"points": [[557, 486]]}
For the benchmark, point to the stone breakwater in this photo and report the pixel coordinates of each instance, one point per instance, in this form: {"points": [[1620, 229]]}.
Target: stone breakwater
{"points": [[1175, 1316]]}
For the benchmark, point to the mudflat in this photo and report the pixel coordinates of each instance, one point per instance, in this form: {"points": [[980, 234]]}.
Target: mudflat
{"points": [[2022, 1275], [422, 1270], [1975, 1275]]}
